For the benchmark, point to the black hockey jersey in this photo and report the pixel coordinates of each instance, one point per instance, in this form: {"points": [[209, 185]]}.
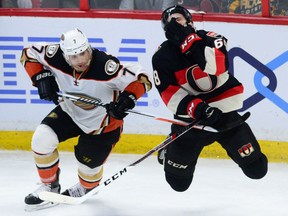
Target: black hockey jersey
{"points": [[203, 73]]}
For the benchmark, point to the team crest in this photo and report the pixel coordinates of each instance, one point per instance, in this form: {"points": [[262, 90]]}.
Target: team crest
{"points": [[51, 50], [53, 115], [199, 80], [111, 67], [246, 150], [213, 34], [86, 106]]}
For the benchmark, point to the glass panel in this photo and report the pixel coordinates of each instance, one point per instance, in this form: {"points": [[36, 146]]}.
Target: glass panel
{"points": [[60, 3], [40, 3], [254, 7], [214, 6], [16, 3], [105, 4], [242, 7], [146, 4], [279, 7]]}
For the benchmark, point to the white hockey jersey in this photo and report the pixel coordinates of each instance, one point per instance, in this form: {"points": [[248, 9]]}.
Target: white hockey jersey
{"points": [[102, 81]]}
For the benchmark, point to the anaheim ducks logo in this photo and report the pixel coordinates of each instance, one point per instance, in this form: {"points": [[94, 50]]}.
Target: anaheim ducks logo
{"points": [[86, 105]]}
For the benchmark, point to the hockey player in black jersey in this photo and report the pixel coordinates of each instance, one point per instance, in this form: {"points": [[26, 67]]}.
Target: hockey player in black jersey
{"points": [[190, 74], [80, 70]]}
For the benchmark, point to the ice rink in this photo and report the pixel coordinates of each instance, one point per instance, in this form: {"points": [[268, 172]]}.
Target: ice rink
{"points": [[219, 189]]}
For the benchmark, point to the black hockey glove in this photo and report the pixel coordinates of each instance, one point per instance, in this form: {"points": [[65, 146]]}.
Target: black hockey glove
{"points": [[184, 37], [208, 115], [47, 86], [124, 102]]}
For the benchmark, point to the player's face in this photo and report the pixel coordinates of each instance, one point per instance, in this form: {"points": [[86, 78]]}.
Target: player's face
{"points": [[179, 18], [80, 62]]}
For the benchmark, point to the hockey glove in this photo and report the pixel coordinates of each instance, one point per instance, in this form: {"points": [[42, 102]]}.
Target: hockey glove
{"points": [[124, 102], [184, 37], [47, 86], [197, 109]]}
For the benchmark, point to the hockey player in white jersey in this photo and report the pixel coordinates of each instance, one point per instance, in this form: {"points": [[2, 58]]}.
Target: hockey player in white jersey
{"points": [[77, 69]]}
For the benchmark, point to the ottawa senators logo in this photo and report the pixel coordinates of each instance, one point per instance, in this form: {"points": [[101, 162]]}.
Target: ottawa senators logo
{"points": [[246, 150], [199, 80]]}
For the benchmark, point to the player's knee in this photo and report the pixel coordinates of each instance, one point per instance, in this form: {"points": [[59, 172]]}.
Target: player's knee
{"points": [[88, 155], [179, 176], [177, 183], [256, 169], [44, 140]]}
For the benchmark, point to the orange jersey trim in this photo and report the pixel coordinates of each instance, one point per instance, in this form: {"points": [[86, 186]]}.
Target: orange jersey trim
{"points": [[137, 88]]}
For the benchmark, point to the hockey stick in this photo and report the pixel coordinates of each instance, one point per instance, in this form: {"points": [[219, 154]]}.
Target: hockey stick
{"points": [[97, 103], [164, 119], [60, 198]]}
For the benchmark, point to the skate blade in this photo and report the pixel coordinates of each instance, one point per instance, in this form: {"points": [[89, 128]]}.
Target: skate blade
{"points": [[43, 205]]}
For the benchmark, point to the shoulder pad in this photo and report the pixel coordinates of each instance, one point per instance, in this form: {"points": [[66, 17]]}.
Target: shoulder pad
{"points": [[111, 63], [111, 66], [214, 34], [51, 50]]}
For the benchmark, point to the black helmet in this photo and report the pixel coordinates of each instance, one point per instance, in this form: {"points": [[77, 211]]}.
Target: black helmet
{"points": [[175, 9]]}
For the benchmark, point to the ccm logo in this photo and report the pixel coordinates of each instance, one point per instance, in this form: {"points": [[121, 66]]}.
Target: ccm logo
{"points": [[176, 165], [114, 177], [188, 41]]}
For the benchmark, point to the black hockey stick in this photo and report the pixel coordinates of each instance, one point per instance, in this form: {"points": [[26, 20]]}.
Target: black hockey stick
{"points": [[97, 103], [159, 118], [59, 198]]}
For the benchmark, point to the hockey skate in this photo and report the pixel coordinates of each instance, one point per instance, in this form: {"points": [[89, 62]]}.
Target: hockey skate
{"points": [[76, 191], [34, 203]]}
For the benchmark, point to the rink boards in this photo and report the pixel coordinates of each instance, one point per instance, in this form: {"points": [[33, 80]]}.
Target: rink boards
{"points": [[140, 144]]}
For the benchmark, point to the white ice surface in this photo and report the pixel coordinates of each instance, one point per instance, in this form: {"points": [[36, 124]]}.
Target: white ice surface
{"points": [[219, 188]]}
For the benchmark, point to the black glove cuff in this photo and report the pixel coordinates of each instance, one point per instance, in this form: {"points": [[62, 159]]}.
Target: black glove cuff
{"points": [[200, 110], [131, 96]]}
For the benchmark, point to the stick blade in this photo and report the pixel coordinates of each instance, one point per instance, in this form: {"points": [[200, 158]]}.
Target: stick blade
{"points": [[60, 198]]}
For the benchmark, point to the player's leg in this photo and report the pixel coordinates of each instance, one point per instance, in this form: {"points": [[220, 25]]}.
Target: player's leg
{"points": [[91, 153], [242, 146], [57, 126], [182, 155]]}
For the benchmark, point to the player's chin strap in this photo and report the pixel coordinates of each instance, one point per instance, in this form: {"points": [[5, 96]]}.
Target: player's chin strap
{"points": [[159, 118], [59, 198]]}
